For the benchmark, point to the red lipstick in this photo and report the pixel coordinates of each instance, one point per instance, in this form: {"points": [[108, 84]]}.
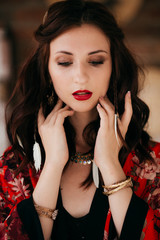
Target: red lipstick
{"points": [[82, 95]]}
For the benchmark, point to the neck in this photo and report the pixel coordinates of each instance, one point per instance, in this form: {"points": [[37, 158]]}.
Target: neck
{"points": [[79, 121]]}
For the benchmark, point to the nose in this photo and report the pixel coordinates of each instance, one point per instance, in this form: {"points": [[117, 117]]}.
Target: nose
{"points": [[80, 74]]}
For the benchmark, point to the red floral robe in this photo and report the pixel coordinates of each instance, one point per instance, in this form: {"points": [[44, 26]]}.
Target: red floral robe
{"points": [[13, 190]]}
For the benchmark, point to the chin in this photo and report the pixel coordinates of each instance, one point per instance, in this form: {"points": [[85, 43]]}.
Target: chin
{"points": [[83, 108]]}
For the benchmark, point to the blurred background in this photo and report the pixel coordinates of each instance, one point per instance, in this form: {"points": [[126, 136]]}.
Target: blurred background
{"points": [[139, 19]]}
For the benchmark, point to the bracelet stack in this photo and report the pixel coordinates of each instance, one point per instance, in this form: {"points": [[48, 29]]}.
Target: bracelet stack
{"points": [[108, 190], [46, 212]]}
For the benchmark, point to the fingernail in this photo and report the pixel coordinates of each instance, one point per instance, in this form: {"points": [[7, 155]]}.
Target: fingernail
{"points": [[129, 94]]}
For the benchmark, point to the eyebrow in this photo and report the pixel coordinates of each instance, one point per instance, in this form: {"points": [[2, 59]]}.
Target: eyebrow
{"points": [[98, 51], [65, 52], [91, 53]]}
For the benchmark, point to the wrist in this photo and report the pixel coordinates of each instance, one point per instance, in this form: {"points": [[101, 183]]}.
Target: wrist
{"points": [[110, 189], [47, 188], [54, 164], [112, 172]]}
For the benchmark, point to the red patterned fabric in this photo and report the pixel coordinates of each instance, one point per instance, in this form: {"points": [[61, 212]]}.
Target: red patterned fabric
{"points": [[12, 191], [145, 176], [146, 181]]}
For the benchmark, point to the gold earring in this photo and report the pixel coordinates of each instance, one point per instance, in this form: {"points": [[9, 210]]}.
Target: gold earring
{"points": [[50, 96], [50, 99]]}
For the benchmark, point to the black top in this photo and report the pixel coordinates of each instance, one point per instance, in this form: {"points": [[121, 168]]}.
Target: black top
{"points": [[90, 226]]}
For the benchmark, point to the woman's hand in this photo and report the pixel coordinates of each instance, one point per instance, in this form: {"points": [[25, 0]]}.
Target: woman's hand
{"points": [[106, 146], [53, 136]]}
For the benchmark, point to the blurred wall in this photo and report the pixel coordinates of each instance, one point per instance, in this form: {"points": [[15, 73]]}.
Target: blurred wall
{"points": [[18, 20], [141, 24], [143, 38], [22, 18]]}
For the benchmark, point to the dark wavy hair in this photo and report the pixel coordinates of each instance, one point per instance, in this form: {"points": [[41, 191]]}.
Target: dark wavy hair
{"points": [[33, 84]]}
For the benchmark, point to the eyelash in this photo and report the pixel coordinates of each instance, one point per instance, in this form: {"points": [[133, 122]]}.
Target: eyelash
{"points": [[94, 63], [66, 64]]}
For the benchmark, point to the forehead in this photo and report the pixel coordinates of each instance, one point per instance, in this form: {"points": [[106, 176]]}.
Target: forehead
{"points": [[81, 37]]}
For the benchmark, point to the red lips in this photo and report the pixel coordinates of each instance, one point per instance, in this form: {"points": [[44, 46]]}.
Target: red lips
{"points": [[82, 95]]}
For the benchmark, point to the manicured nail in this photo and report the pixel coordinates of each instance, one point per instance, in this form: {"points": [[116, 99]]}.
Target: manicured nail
{"points": [[129, 94]]}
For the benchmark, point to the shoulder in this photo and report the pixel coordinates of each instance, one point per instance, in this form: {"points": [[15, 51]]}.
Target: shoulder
{"points": [[132, 162], [8, 158], [155, 147], [15, 186], [12, 174], [14, 164], [146, 176], [9, 163]]}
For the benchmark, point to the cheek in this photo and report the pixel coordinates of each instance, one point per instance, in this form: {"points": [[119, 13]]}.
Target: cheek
{"points": [[104, 90], [59, 78], [107, 79], [57, 87], [104, 84], [60, 88], [57, 81]]}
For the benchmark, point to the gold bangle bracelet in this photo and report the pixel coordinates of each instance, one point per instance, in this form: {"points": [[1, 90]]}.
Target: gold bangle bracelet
{"points": [[46, 212], [108, 190]]}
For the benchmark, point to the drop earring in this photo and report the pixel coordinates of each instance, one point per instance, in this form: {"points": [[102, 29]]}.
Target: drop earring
{"points": [[115, 127], [36, 151], [37, 155], [95, 174]]}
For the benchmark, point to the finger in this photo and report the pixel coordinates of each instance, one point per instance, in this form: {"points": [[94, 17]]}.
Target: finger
{"points": [[55, 115], [58, 105], [103, 115], [55, 109], [128, 111], [64, 109], [109, 108], [107, 105], [41, 117], [61, 116]]}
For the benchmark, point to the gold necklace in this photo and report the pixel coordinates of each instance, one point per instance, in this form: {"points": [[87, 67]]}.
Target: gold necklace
{"points": [[83, 159]]}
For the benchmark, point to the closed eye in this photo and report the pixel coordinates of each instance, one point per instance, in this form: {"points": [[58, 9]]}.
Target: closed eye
{"points": [[65, 64], [94, 63]]}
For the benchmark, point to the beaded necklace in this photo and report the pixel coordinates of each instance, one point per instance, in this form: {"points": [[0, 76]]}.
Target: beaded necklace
{"points": [[83, 159]]}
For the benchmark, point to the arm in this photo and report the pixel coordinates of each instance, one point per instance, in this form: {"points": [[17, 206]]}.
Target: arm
{"points": [[120, 200], [54, 141], [106, 157], [146, 179], [142, 220], [18, 217]]}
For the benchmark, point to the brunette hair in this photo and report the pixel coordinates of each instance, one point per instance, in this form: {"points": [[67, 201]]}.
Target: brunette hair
{"points": [[34, 82]]}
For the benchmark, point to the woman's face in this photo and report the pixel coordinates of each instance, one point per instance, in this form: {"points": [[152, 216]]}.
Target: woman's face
{"points": [[80, 66]]}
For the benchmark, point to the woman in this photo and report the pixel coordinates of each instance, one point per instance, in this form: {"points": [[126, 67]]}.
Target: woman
{"points": [[78, 114]]}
